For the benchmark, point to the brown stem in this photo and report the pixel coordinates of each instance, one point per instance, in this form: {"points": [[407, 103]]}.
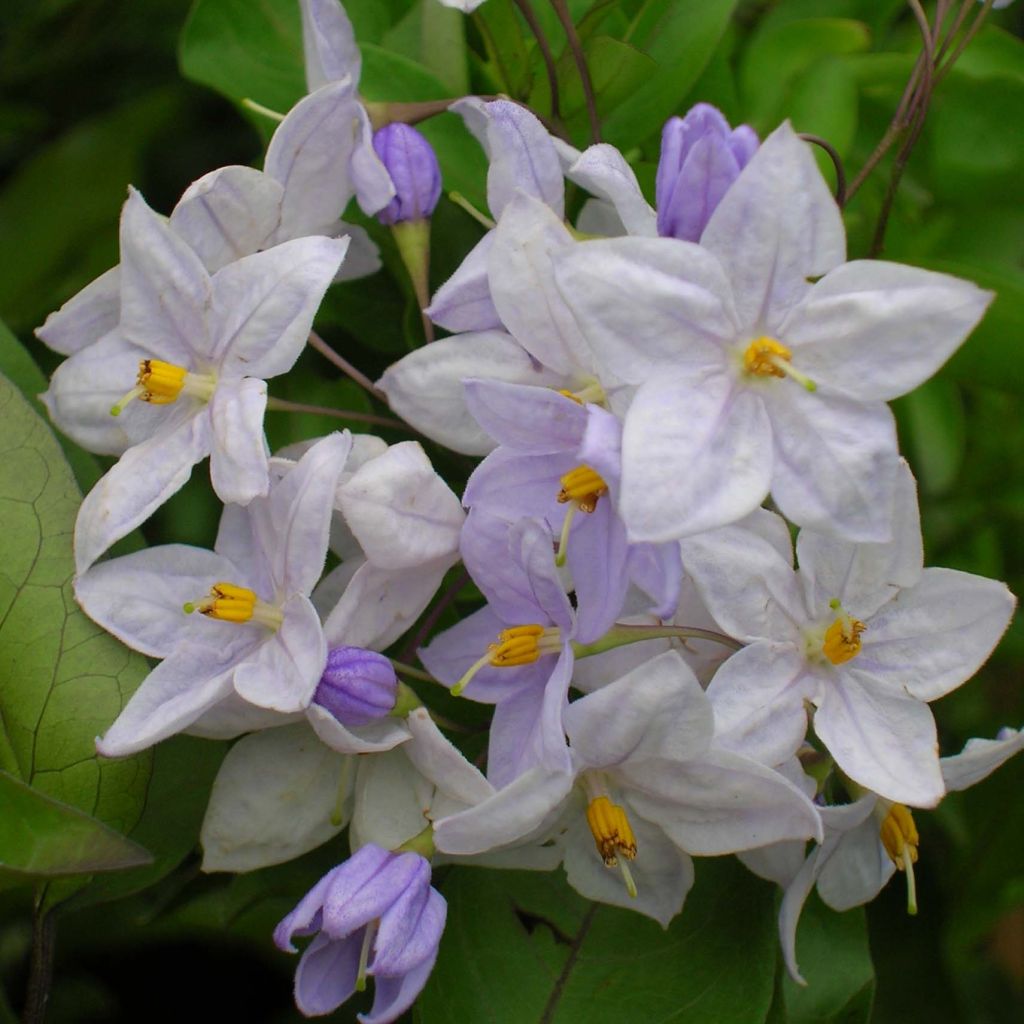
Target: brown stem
{"points": [[837, 163], [382, 114], [318, 343], [44, 937], [444, 602], [283, 405], [962, 45], [545, 51], [966, 7], [571, 35]]}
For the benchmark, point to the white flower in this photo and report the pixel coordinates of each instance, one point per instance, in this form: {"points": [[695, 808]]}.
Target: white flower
{"points": [[751, 375]]}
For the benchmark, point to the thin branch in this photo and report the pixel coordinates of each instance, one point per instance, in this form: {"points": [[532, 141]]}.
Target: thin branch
{"points": [[966, 7], [962, 45], [44, 937], [283, 405], [412, 671], [545, 51], [315, 341], [572, 36], [443, 603], [837, 163]]}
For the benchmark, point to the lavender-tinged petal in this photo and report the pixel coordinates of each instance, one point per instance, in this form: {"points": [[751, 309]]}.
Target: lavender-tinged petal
{"points": [[305, 918], [238, 459], [86, 316], [706, 175], [657, 570], [597, 559], [532, 420], [530, 547], [144, 478], [357, 686], [857, 870], [348, 907], [370, 178], [326, 975], [373, 738], [363, 256], [743, 142], [464, 302], [227, 214], [394, 995], [509, 485], [601, 446], [603, 171], [328, 43], [412, 164], [405, 939]]}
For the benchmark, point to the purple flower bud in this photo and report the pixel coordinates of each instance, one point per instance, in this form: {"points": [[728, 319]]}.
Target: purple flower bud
{"points": [[377, 915], [411, 162], [357, 686], [700, 158]]}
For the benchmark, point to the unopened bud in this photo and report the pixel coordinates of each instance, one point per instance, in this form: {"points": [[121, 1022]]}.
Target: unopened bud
{"points": [[413, 167], [358, 686], [700, 158]]}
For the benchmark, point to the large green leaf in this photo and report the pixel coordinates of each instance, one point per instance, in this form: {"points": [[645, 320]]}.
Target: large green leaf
{"points": [[523, 948], [62, 679], [44, 838], [680, 38]]}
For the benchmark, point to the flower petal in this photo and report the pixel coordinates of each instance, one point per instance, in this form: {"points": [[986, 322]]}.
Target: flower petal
{"points": [[463, 302], [238, 458], [328, 43], [603, 172], [86, 316]]}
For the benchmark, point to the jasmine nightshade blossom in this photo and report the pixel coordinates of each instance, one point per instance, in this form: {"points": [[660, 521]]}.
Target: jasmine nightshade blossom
{"points": [[374, 915], [234, 626], [867, 841], [646, 788], [860, 631], [196, 348], [752, 375]]}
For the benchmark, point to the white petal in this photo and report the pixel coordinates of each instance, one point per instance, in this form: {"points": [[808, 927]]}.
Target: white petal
{"points": [[328, 43], [233, 717], [645, 303], [835, 463], [979, 758], [440, 761], [227, 214], [264, 304], [877, 330], [238, 456], [401, 512], [776, 226], [881, 738], [857, 869], [864, 576], [140, 598], [165, 290], [144, 478], [680, 433], [936, 635], [274, 799], [425, 387], [86, 316], [603, 172], [463, 302], [284, 670], [363, 256], [372, 738], [519, 268]]}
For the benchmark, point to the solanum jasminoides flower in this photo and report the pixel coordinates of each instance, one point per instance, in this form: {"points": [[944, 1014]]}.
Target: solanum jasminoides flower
{"points": [[184, 372], [752, 375], [376, 916], [234, 625]]}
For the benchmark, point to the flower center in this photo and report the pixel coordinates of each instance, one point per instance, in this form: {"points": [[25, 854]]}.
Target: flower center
{"points": [[767, 357], [517, 645], [582, 487], [231, 603], [161, 383], [613, 837], [842, 638], [899, 837]]}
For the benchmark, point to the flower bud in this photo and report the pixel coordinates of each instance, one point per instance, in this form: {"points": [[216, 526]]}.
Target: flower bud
{"points": [[411, 162], [357, 686], [700, 158]]}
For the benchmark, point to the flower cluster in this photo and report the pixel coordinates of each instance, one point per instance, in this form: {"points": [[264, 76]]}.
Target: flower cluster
{"points": [[662, 669]]}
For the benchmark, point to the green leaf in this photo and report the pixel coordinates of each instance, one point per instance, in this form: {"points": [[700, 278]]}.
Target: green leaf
{"points": [[44, 838], [934, 421], [834, 958], [246, 50], [521, 948], [64, 679], [680, 38], [823, 101], [778, 53]]}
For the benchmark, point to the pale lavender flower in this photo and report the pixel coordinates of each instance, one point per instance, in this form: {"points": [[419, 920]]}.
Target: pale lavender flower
{"points": [[357, 686], [412, 164]]}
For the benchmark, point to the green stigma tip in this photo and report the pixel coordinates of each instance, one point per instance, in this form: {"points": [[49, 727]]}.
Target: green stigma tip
{"points": [[115, 410], [188, 607]]}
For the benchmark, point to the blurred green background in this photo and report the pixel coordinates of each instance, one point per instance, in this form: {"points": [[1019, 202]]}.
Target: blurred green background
{"points": [[92, 97]]}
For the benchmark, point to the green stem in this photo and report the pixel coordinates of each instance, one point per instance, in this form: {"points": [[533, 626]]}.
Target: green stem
{"points": [[413, 240], [421, 843], [620, 635], [412, 671], [406, 700]]}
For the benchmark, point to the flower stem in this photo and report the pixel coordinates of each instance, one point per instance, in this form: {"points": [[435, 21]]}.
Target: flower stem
{"points": [[545, 51], [318, 343], [412, 671], [571, 35], [283, 405], [44, 937], [621, 634]]}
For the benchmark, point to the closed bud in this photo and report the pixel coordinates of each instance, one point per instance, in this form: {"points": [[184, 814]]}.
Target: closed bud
{"points": [[701, 156], [357, 686], [413, 167]]}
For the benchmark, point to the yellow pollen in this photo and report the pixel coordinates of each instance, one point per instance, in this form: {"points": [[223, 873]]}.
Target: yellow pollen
{"points": [[231, 603], [583, 486], [611, 831], [572, 397], [899, 837], [842, 639], [763, 355], [517, 645]]}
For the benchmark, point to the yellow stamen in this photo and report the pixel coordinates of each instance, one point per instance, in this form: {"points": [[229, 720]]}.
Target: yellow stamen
{"points": [[592, 392], [611, 831], [517, 645], [766, 357], [231, 603], [161, 383], [842, 638], [899, 837], [583, 486]]}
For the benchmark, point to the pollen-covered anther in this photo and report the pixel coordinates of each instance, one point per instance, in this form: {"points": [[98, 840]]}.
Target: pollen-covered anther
{"points": [[583, 486], [842, 639], [611, 831], [161, 383], [899, 837], [517, 645], [231, 603], [767, 357]]}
